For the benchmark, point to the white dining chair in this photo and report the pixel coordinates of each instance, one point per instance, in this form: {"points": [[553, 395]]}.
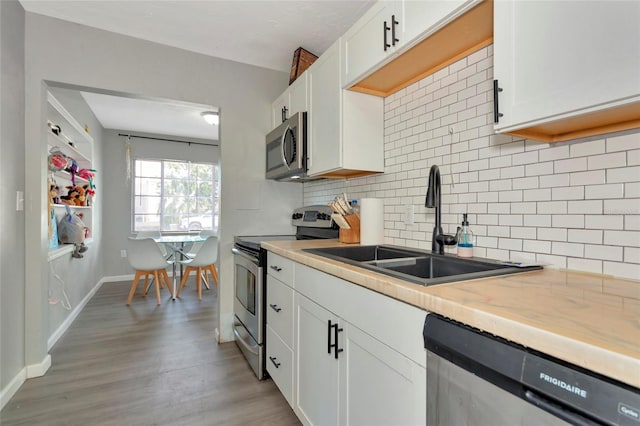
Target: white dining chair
{"points": [[193, 249], [153, 235], [146, 258], [203, 261]]}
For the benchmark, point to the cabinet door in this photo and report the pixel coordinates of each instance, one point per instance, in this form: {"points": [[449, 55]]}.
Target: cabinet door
{"points": [[562, 59], [277, 108], [317, 369], [417, 19], [298, 95], [325, 112], [363, 43], [378, 385]]}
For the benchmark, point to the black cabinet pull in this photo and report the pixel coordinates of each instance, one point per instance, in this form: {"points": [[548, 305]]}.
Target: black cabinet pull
{"points": [[329, 345], [273, 361], [394, 40], [275, 307], [496, 111], [276, 268], [385, 28], [284, 113], [337, 330]]}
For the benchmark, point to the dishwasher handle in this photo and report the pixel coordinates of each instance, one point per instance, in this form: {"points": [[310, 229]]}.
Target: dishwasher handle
{"points": [[557, 410]]}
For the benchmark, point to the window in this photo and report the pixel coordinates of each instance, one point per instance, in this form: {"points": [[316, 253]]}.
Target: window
{"points": [[174, 196]]}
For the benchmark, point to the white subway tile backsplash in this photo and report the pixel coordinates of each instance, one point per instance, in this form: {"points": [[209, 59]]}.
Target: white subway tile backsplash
{"points": [[537, 220], [538, 169], [571, 165], [554, 153], [623, 270], [586, 265], [567, 221], [567, 249], [623, 143], [591, 236], [588, 178], [626, 207], [614, 190], [624, 174], [536, 246], [572, 204], [583, 149], [603, 222], [607, 161], [585, 207], [622, 238], [603, 252], [552, 181], [568, 193]]}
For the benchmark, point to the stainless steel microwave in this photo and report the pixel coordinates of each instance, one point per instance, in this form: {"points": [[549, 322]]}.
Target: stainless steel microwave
{"points": [[287, 149]]}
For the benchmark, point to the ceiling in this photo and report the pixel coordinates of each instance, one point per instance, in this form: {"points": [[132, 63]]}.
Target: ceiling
{"points": [[261, 33]]}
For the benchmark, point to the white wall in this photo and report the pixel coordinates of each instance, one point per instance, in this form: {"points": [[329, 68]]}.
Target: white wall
{"points": [[77, 55], [12, 247], [574, 205], [117, 193]]}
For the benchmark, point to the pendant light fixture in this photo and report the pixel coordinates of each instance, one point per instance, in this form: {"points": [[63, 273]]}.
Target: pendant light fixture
{"points": [[211, 117]]}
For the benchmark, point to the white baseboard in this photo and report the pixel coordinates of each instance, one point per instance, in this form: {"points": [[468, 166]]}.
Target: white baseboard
{"points": [[7, 393], [72, 316], [117, 278], [38, 370]]}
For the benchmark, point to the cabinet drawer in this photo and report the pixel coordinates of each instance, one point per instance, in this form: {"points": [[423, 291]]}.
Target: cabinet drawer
{"points": [[281, 268], [280, 309], [280, 364]]}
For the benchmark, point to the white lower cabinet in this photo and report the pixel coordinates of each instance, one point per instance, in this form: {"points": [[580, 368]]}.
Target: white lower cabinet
{"points": [[344, 375], [378, 385], [317, 370], [280, 364]]}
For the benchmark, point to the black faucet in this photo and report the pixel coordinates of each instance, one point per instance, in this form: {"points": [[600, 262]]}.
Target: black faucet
{"points": [[439, 239]]}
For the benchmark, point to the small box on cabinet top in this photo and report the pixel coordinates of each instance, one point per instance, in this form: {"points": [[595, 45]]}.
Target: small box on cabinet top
{"points": [[302, 59]]}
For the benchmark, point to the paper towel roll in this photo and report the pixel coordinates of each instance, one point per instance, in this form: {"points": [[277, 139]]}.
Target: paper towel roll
{"points": [[371, 221]]}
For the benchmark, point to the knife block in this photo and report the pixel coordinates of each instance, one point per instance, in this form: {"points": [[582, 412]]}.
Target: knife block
{"points": [[351, 236]]}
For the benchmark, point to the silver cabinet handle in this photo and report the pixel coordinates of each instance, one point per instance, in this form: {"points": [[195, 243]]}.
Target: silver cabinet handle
{"points": [[276, 268]]}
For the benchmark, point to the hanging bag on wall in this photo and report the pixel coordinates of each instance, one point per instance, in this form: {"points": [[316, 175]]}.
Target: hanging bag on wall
{"points": [[71, 229]]}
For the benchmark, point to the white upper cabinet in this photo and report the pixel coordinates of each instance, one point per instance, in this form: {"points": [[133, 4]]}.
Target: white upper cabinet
{"points": [[566, 69], [388, 28], [345, 129], [294, 99]]}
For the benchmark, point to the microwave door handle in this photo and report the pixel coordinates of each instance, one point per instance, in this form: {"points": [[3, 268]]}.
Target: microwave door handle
{"points": [[284, 137]]}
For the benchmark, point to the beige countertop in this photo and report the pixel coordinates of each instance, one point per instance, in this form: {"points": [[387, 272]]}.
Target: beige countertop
{"points": [[588, 320]]}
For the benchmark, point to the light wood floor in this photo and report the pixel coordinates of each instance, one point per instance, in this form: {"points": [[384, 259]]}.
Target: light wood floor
{"points": [[147, 365]]}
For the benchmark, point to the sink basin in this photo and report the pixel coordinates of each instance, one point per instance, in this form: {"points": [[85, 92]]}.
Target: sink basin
{"points": [[417, 266]]}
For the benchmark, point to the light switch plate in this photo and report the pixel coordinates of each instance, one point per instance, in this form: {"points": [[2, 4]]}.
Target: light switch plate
{"points": [[409, 215], [19, 201]]}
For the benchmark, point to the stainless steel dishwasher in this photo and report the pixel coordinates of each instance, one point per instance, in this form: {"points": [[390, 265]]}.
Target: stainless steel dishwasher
{"points": [[474, 378]]}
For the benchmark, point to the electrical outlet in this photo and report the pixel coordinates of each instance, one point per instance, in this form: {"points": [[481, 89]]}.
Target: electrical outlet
{"points": [[409, 218], [123, 253]]}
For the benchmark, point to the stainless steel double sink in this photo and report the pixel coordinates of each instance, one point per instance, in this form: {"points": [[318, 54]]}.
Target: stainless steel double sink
{"points": [[418, 266]]}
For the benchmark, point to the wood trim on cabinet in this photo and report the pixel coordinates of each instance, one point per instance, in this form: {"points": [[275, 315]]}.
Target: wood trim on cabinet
{"points": [[615, 119], [346, 174], [463, 36]]}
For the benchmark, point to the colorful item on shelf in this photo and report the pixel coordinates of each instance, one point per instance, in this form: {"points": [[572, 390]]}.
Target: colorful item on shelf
{"points": [[57, 160], [72, 168], [76, 195]]}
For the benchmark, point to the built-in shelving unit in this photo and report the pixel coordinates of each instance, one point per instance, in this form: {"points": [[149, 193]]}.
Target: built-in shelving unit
{"points": [[74, 142]]}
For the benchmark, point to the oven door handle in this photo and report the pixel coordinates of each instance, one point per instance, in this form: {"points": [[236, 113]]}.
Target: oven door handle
{"points": [[242, 342], [245, 255]]}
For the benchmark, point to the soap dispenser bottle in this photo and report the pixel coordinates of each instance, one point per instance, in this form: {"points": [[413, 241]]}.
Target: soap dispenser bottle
{"points": [[465, 238]]}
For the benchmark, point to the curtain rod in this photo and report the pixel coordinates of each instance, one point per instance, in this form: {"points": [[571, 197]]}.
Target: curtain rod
{"points": [[167, 140]]}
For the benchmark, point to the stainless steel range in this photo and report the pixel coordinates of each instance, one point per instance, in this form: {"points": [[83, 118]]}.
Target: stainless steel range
{"points": [[249, 328]]}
